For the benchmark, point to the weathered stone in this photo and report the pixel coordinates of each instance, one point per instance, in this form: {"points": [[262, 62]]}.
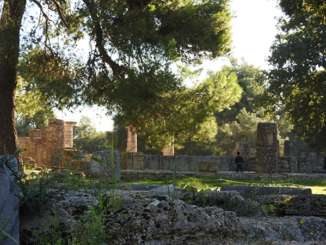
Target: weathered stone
{"points": [[267, 148], [252, 191], [306, 205], [110, 161], [228, 200], [131, 139], [96, 169], [46, 146], [9, 201], [150, 221], [142, 219], [298, 230], [168, 150], [179, 163], [62, 207]]}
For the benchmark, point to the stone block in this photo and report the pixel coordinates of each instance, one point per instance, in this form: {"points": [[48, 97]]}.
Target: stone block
{"points": [[267, 148], [251, 191], [306, 205]]}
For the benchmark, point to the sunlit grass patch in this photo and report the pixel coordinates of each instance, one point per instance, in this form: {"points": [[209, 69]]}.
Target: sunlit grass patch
{"points": [[318, 186]]}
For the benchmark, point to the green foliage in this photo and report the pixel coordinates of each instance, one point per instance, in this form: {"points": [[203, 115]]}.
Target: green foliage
{"points": [[297, 80], [187, 115], [203, 141], [192, 184], [32, 108], [88, 140], [91, 229], [238, 124], [252, 81], [269, 209], [242, 130], [56, 77], [132, 47]]}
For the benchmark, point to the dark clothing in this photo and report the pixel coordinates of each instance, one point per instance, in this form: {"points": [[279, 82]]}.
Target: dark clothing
{"points": [[239, 161]]}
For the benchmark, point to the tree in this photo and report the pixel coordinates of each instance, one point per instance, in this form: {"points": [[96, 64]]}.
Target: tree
{"points": [[10, 23], [297, 80], [132, 46], [185, 114], [238, 124], [87, 139], [241, 130], [251, 80], [32, 108], [203, 141]]}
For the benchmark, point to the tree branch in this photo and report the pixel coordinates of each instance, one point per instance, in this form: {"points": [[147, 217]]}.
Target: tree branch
{"points": [[60, 13], [98, 32], [47, 20]]}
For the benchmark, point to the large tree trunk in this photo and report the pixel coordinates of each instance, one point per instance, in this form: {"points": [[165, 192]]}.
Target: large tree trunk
{"points": [[10, 23]]}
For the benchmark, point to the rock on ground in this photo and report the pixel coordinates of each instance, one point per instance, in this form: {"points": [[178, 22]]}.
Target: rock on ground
{"points": [[150, 221], [298, 230], [154, 218]]}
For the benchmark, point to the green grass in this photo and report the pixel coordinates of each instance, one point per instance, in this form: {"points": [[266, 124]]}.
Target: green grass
{"points": [[318, 186], [73, 181]]}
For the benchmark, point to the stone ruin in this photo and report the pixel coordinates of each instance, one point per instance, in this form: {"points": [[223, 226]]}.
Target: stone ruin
{"points": [[47, 146], [265, 158], [52, 146], [128, 142], [301, 158], [132, 145], [267, 148]]}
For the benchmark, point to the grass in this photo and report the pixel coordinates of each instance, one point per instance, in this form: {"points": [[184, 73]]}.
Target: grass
{"points": [[318, 186], [73, 181]]}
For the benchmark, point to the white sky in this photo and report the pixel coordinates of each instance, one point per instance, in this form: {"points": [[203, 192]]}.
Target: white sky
{"points": [[253, 30]]}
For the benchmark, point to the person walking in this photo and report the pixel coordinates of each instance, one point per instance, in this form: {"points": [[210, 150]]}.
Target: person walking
{"points": [[239, 162]]}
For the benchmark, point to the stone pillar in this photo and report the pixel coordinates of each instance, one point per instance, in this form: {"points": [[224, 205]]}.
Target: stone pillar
{"points": [[131, 139], [267, 153], [68, 133], [168, 150]]}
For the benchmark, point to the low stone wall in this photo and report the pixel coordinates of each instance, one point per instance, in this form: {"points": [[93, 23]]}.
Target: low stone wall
{"points": [[306, 163], [181, 163], [309, 163]]}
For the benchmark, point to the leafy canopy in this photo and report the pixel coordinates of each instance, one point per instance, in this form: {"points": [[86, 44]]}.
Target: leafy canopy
{"points": [[132, 44], [186, 114], [32, 108], [238, 125], [297, 80]]}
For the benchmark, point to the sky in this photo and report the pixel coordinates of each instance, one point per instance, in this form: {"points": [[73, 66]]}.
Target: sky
{"points": [[254, 26]]}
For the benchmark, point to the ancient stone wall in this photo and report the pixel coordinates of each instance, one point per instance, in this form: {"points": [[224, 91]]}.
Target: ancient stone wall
{"points": [[46, 146], [180, 163], [246, 150], [301, 158], [265, 158]]}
